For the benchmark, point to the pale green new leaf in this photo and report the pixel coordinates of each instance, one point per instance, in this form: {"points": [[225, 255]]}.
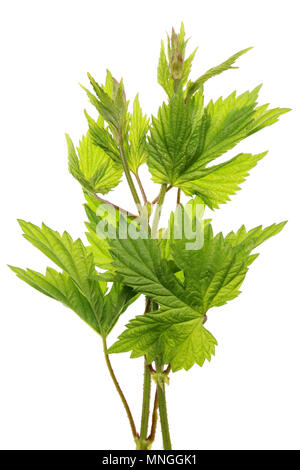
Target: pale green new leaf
{"points": [[139, 126], [99, 246], [215, 184], [174, 138], [163, 74], [93, 168], [102, 138], [102, 224], [227, 65]]}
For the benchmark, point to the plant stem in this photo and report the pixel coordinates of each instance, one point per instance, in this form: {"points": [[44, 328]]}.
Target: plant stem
{"points": [[118, 208], [157, 213], [161, 393], [151, 436], [128, 176], [119, 390], [146, 402], [141, 187], [146, 389], [156, 199], [178, 197]]}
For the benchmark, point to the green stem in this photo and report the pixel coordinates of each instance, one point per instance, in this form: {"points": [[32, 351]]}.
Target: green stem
{"points": [[128, 177], [162, 405], [146, 402], [119, 390], [139, 182], [151, 436], [157, 213], [146, 389]]}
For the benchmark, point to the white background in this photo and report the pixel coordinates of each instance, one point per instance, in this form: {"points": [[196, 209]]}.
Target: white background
{"points": [[55, 391]]}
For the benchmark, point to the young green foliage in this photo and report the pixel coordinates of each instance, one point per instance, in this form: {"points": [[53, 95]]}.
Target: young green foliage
{"points": [[183, 270], [212, 276], [77, 286]]}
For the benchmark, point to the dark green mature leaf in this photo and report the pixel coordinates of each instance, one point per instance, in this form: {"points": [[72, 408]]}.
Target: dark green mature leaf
{"points": [[93, 168], [212, 276]]}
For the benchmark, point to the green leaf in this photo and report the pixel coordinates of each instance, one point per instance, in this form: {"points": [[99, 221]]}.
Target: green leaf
{"points": [[257, 235], [102, 224], [227, 65], [215, 184], [174, 138], [174, 338], [118, 299], [69, 255], [163, 74], [78, 286], [93, 168], [102, 138], [137, 137], [176, 52], [185, 139], [60, 286], [99, 245], [212, 275]]}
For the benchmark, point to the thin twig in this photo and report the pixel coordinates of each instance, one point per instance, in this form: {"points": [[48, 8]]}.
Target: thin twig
{"points": [[178, 197], [151, 436], [137, 177], [104, 201], [146, 388], [120, 392], [153, 371], [156, 199]]}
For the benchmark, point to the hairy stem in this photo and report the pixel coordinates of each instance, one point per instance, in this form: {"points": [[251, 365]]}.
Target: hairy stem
{"points": [[119, 390], [162, 405], [137, 177]]}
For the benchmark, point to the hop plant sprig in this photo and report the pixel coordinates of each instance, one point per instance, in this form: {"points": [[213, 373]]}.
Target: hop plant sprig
{"points": [[182, 270]]}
